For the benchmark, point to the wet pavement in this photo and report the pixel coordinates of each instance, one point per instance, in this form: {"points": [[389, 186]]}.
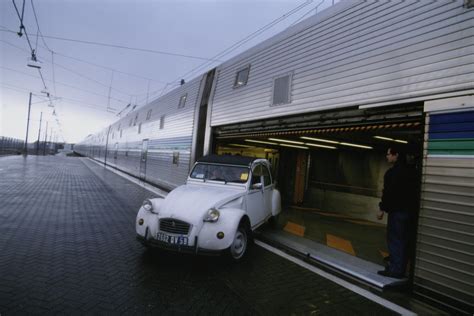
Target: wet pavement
{"points": [[68, 246]]}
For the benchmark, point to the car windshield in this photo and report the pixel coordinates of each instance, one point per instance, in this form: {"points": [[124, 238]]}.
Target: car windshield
{"points": [[223, 173]]}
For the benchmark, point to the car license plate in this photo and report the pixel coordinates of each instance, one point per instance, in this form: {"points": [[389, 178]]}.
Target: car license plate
{"points": [[175, 240]]}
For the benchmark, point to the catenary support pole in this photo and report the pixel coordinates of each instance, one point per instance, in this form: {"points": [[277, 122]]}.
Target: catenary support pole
{"points": [[45, 138], [27, 126], [39, 133]]}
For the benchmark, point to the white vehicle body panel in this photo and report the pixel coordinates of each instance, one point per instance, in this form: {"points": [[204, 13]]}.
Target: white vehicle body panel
{"points": [[190, 203]]}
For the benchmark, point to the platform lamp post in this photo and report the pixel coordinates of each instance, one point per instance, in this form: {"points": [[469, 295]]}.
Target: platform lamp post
{"points": [[27, 126]]}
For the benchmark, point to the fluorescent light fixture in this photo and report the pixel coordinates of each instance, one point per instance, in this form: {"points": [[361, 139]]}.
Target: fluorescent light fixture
{"points": [[259, 141], [320, 140], [355, 145], [318, 145], [286, 141], [294, 146], [239, 145], [384, 138], [392, 140], [401, 141]]}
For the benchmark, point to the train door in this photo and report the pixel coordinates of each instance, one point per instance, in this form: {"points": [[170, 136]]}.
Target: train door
{"points": [[115, 153], [143, 159]]}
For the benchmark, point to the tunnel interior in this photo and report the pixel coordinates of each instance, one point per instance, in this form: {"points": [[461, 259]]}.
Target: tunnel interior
{"points": [[331, 178]]}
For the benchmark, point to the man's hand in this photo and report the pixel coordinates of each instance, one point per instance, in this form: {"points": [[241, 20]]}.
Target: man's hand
{"points": [[380, 215]]}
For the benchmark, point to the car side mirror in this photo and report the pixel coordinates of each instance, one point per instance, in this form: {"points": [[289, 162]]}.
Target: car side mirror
{"points": [[257, 186]]}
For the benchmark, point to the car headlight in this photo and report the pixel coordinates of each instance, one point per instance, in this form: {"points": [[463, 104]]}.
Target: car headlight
{"points": [[212, 215], [147, 206]]}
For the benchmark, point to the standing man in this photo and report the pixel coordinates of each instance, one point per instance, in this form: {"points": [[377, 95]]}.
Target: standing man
{"points": [[399, 200]]}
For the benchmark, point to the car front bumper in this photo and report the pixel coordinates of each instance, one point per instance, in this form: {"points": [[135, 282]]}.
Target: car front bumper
{"points": [[150, 241]]}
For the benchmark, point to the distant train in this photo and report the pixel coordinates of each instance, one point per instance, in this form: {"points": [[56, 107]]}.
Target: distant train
{"points": [[322, 101]]}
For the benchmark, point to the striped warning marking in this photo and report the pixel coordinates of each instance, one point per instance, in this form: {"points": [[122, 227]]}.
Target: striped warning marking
{"points": [[340, 244], [294, 229]]}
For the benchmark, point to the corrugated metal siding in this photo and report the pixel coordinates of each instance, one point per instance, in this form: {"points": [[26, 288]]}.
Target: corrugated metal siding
{"points": [[365, 52], [176, 136], [445, 245]]}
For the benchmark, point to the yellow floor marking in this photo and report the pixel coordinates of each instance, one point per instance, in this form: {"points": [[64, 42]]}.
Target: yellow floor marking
{"points": [[294, 229], [383, 253], [340, 244]]}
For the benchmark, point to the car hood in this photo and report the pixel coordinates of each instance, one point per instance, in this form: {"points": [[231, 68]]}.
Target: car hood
{"points": [[191, 202]]}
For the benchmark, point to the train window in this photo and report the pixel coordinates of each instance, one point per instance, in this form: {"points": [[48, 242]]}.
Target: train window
{"points": [[162, 122], [242, 77], [148, 115], [182, 101], [139, 128], [282, 90]]}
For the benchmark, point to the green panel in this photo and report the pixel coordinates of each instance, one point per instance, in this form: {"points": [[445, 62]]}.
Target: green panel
{"points": [[450, 152], [451, 146]]}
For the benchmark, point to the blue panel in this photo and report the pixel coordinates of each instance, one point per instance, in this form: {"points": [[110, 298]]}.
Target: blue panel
{"points": [[452, 127], [452, 135], [458, 117]]}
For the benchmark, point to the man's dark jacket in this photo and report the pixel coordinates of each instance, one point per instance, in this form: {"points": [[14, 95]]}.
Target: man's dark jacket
{"points": [[400, 191]]}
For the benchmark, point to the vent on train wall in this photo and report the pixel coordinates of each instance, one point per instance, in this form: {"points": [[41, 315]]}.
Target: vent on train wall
{"points": [[444, 267]]}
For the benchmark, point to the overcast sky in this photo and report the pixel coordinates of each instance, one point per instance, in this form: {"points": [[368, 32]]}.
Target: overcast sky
{"points": [[80, 90]]}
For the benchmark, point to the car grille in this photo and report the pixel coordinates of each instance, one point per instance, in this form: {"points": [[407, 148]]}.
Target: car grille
{"points": [[174, 226]]}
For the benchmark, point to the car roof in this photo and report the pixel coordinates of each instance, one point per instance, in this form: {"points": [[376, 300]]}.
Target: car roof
{"points": [[228, 160]]}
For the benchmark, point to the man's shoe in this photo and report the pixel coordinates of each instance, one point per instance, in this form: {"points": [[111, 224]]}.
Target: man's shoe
{"points": [[389, 274]]}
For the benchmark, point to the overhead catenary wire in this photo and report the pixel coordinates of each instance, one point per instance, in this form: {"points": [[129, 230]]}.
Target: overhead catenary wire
{"points": [[309, 12], [33, 54], [146, 50], [64, 84], [241, 42], [74, 72], [39, 30], [5, 29], [250, 37], [236, 45]]}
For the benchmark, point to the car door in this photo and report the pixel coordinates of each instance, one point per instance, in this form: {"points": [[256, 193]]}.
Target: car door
{"points": [[255, 198]]}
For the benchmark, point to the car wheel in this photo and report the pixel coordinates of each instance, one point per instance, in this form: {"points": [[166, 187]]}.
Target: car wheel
{"points": [[239, 245]]}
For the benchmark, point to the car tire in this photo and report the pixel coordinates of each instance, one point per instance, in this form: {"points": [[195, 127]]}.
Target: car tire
{"points": [[240, 244]]}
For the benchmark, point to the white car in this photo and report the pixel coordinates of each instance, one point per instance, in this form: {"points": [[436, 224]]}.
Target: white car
{"points": [[224, 199]]}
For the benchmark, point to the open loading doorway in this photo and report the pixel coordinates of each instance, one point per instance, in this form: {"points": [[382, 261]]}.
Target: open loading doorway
{"points": [[331, 178]]}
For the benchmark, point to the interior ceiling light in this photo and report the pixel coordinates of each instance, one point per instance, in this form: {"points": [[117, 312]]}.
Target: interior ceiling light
{"points": [[318, 145], [294, 146], [384, 138], [259, 141], [391, 139], [401, 141], [286, 141], [240, 145], [355, 145], [320, 140]]}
